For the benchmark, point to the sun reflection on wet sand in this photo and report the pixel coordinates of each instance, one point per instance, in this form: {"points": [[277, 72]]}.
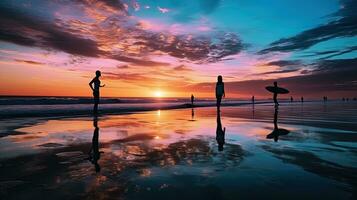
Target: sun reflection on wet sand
{"points": [[156, 149]]}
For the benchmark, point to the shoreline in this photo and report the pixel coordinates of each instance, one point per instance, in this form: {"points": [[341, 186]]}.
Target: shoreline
{"points": [[87, 110]]}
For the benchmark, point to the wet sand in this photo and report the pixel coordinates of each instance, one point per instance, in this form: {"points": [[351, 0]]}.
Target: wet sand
{"points": [[173, 154]]}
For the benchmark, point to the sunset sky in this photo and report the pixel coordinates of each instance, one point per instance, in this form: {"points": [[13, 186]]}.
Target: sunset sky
{"points": [[173, 48]]}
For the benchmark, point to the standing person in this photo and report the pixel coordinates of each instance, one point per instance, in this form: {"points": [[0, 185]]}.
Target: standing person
{"points": [[192, 99], [219, 91], [253, 99], [291, 99], [95, 85], [302, 99]]}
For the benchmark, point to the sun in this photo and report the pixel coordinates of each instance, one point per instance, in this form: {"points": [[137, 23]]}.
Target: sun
{"points": [[158, 93]]}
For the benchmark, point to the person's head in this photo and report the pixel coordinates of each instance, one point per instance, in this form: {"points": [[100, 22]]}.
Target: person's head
{"points": [[98, 73], [219, 79], [275, 83]]}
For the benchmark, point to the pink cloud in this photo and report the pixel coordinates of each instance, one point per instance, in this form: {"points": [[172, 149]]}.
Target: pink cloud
{"points": [[163, 10]]}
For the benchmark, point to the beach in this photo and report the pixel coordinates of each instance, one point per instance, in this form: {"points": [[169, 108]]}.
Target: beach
{"points": [[174, 154]]}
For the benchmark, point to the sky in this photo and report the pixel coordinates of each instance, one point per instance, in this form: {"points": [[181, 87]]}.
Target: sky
{"points": [[175, 48]]}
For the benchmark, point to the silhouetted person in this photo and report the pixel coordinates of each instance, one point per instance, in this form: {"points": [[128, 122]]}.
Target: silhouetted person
{"points": [[291, 99], [253, 99], [95, 85], [343, 99], [220, 133], [192, 99], [354, 99], [347, 99], [275, 94], [325, 98], [302, 99], [94, 154], [219, 91], [192, 114], [277, 131]]}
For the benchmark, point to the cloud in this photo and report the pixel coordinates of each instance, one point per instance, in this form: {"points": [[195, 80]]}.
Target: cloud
{"points": [[284, 63], [182, 68], [23, 29], [123, 66], [343, 25], [279, 72], [29, 62], [163, 10], [329, 77], [111, 34]]}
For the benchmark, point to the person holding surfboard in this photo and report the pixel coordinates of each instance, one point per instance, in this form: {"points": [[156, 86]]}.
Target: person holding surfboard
{"points": [[277, 131], [219, 91], [95, 85], [276, 90]]}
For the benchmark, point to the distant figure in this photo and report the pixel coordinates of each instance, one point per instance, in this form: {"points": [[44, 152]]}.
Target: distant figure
{"points": [[354, 99], [291, 99], [302, 99], [277, 131], [95, 85], [220, 133], [343, 98], [192, 99], [219, 91], [253, 99], [325, 98], [347, 99], [94, 154], [276, 90]]}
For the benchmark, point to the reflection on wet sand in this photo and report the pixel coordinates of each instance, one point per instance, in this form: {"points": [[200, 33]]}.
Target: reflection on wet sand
{"points": [[220, 133], [159, 155], [94, 153], [277, 131]]}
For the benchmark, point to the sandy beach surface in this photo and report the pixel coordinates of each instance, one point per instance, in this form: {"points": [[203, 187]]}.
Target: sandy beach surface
{"points": [[310, 153]]}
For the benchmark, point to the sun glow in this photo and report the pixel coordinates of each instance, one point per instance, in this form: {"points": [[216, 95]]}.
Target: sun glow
{"points": [[158, 93]]}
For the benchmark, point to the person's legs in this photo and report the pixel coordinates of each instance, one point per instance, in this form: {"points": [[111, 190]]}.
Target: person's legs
{"points": [[96, 102], [276, 99], [219, 99]]}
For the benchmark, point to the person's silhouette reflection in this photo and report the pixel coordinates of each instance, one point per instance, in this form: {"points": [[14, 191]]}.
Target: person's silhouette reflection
{"points": [[277, 131], [94, 154], [220, 133], [192, 114]]}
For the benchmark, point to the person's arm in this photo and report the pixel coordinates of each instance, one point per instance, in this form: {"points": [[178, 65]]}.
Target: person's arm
{"points": [[224, 93], [102, 85], [91, 84]]}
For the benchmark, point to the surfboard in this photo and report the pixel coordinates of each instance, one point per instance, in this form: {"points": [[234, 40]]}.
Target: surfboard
{"points": [[278, 90]]}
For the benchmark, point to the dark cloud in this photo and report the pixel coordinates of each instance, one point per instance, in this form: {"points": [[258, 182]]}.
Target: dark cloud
{"points": [[20, 28], [284, 63], [329, 77], [338, 52], [343, 25], [29, 62]]}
